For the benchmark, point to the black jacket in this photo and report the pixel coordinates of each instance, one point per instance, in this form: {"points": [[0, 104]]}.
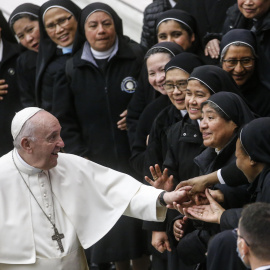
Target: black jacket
{"points": [[26, 74], [259, 191], [151, 12], [157, 144], [184, 144], [11, 102], [89, 110], [146, 120]]}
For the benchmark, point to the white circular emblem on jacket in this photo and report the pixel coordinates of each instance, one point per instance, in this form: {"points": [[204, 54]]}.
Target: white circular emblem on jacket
{"points": [[11, 71], [129, 85]]}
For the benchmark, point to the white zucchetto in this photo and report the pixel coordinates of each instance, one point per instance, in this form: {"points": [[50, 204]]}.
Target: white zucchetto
{"points": [[20, 118]]}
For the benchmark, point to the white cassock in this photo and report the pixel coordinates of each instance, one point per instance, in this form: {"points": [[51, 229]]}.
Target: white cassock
{"points": [[84, 200]]}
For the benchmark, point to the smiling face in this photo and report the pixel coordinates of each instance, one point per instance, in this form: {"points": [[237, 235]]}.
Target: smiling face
{"points": [[100, 31], [216, 131], [44, 149], [239, 73], [173, 32], [156, 72], [177, 96], [27, 32], [59, 28], [253, 8], [196, 94]]}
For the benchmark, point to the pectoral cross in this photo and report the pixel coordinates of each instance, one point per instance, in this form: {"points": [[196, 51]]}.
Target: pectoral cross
{"points": [[57, 237]]}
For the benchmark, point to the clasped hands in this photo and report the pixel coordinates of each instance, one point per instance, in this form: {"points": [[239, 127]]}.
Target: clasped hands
{"points": [[194, 200]]}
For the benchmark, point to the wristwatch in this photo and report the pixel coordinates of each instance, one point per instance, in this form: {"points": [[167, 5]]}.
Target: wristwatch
{"points": [[161, 198]]}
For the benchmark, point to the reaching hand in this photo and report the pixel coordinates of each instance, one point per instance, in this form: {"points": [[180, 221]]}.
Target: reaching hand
{"points": [[179, 228], [3, 89], [209, 213], [160, 241], [200, 183], [122, 124], [161, 180]]}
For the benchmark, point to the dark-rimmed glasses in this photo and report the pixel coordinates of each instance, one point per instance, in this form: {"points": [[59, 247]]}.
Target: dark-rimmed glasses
{"points": [[245, 62], [236, 234], [61, 22], [181, 85]]}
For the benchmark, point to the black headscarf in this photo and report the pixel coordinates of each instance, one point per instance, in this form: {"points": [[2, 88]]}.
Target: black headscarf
{"points": [[47, 47], [184, 61], [24, 9], [215, 79], [239, 35], [178, 15], [234, 107], [255, 138], [171, 47], [6, 32], [87, 11]]}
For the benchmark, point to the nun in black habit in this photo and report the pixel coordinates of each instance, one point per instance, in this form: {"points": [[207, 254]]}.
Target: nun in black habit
{"points": [[157, 55], [58, 21], [23, 21], [244, 42], [102, 77], [9, 89], [252, 157], [223, 115]]}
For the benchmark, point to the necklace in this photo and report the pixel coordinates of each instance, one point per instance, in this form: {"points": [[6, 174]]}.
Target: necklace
{"points": [[57, 236]]}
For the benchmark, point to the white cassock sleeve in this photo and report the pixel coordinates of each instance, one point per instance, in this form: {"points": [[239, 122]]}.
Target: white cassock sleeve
{"points": [[139, 205]]}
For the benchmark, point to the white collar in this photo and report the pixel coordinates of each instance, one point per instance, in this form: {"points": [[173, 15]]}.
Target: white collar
{"points": [[106, 54], [1, 49], [183, 112], [173, 3], [23, 166], [263, 267]]}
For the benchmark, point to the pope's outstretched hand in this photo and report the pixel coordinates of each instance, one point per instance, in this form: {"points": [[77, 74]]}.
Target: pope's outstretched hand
{"points": [[179, 196]]}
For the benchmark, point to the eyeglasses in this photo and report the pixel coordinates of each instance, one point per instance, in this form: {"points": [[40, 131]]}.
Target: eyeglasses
{"points": [[236, 234], [61, 22], [245, 62], [181, 85]]}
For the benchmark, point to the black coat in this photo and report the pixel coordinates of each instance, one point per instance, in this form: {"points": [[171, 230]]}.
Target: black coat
{"points": [[150, 14], [184, 140], [89, 109], [26, 74], [48, 79], [11, 102], [157, 144], [259, 191], [146, 120], [143, 96]]}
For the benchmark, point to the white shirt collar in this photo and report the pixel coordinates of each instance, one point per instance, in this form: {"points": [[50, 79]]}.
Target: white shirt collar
{"points": [[172, 3], [1, 49], [263, 267], [183, 112]]}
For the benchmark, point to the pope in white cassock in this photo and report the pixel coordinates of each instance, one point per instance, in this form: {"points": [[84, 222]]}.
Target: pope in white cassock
{"points": [[52, 205]]}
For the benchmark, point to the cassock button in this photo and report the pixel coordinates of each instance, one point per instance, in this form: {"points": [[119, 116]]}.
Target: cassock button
{"points": [[184, 134], [44, 195], [47, 205], [42, 184]]}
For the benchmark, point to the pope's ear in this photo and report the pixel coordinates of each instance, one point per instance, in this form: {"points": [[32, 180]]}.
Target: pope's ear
{"points": [[25, 143]]}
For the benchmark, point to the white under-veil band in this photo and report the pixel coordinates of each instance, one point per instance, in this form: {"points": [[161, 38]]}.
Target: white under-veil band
{"points": [[22, 13], [96, 11], [174, 19], [55, 6], [194, 78]]}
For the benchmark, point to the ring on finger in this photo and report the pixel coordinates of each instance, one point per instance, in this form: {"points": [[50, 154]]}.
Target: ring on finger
{"points": [[155, 178]]}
